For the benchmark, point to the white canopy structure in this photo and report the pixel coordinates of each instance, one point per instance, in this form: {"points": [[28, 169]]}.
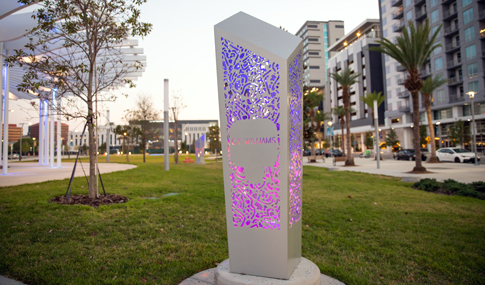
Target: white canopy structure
{"points": [[15, 22]]}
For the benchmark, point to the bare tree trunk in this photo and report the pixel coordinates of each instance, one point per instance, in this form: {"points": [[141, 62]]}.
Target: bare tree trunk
{"points": [[427, 105], [92, 161], [126, 150], [417, 141], [176, 145], [342, 126], [144, 152]]}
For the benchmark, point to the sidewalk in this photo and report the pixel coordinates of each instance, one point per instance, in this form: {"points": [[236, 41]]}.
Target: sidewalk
{"points": [[462, 172], [30, 172]]}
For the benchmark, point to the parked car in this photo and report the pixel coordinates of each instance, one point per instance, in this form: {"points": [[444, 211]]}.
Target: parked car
{"points": [[408, 154], [333, 152], [307, 152], [455, 154], [13, 156]]}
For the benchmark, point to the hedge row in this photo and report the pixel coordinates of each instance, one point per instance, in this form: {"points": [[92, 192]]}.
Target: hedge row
{"points": [[452, 187]]}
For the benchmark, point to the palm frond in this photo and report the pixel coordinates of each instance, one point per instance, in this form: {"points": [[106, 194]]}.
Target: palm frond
{"points": [[431, 84]]}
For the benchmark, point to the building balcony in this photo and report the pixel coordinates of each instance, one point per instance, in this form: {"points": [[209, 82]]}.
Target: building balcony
{"points": [[403, 95], [424, 73], [452, 47], [396, 3], [398, 27], [398, 14], [451, 13], [455, 80], [419, 2], [451, 30], [481, 15], [401, 81], [400, 68], [453, 63], [457, 98], [444, 2], [420, 15], [404, 109]]}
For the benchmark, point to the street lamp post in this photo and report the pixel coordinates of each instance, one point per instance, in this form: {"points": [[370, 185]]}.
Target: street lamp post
{"points": [[376, 122], [331, 130], [439, 133], [472, 95], [20, 146]]}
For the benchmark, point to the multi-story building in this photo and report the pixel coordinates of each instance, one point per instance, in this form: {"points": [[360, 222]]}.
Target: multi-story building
{"points": [[317, 37], [460, 59], [352, 51]]}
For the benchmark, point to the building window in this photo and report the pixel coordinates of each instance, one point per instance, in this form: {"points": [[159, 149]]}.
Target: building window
{"points": [[388, 81], [386, 58], [314, 67], [313, 53], [433, 3], [383, 9], [339, 26], [407, 3], [438, 63], [389, 93], [470, 34], [312, 39], [396, 65], [437, 50], [389, 107], [315, 81], [466, 2], [471, 52], [409, 15], [467, 16], [388, 69], [384, 21], [434, 29], [384, 34], [472, 70], [473, 86], [440, 96], [312, 26], [435, 16]]}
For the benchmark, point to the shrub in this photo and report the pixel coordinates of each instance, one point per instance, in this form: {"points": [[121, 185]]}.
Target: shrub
{"points": [[428, 184], [479, 186], [453, 186]]}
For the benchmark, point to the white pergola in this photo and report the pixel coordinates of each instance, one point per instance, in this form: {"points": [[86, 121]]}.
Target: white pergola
{"points": [[15, 21]]}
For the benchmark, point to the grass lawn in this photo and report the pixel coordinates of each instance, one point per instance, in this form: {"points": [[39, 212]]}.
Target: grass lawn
{"points": [[386, 233]]}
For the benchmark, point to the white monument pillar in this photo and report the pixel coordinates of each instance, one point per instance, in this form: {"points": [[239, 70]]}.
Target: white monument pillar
{"points": [[41, 130], [46, 131], [59, 128], [6, 92], [108, 136], [166, 126], [259, 72]]}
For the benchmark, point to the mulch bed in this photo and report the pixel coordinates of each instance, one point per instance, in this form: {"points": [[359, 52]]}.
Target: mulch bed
{"points": [[109, 199], [419, 172]]}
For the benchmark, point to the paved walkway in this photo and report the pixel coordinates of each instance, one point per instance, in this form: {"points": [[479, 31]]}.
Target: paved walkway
{"points": [[462, 172], [29, 172]]}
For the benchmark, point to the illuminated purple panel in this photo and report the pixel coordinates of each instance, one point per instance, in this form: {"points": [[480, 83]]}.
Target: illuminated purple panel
{"points": [[251, 85], [295, 127]]}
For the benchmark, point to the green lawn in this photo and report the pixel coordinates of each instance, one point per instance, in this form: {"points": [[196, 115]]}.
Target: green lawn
{"points": [[397, 235]]}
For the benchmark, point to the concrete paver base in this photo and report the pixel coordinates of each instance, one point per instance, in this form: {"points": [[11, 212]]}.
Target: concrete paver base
{"points": [[307, 273], [461, 172], [29, 172]]}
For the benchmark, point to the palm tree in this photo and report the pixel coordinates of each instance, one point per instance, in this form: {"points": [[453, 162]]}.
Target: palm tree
{"points": [[340, 112], [320, 118], [412, 49], [429, 86], [346, 78], [369, 101], [313, 100]]}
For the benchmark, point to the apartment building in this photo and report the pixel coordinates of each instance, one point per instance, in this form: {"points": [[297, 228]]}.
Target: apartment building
{"points": [[461, 60], [352, 51], [317, 37]]}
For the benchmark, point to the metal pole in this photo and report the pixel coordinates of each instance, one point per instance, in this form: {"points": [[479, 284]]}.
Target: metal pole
{"points": [[108, 137], [59, 130], [46, 131], [376, 125], [41, 130], [51, 142], [1, 97], [20, 146], [165, 127], [5, 117], [474, 133]]}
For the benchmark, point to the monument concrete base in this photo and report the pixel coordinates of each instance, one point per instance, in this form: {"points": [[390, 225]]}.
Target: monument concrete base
{"points": [[306, 273], [201, 161], [410, 178], [333, 169]]}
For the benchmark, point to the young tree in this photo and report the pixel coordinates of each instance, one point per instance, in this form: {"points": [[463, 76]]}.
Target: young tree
{"points": [[369, 140], [320, 118], [313, 100], [123, 132], [214, 138], [370, 98], [429, 86], [423, 134], [178, 106], [76, 48], [392, 138], [339, 111], [460, 133], [413, 48], [346, 78], [142, 116]]}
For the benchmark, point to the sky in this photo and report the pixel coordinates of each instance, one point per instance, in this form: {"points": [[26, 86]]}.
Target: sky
{"points": [[181, 48]]}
